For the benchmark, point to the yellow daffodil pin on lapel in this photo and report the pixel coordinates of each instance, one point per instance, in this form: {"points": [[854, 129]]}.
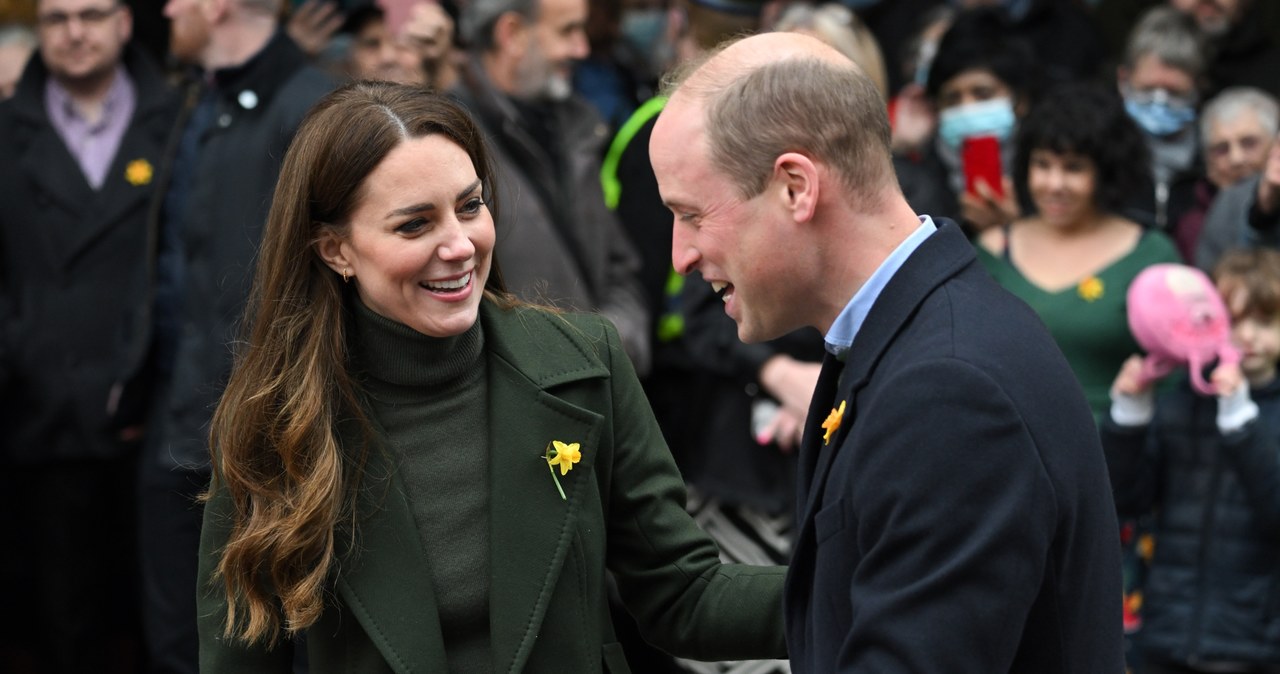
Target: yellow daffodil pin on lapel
{"points": [[138, 172], [1091, 289], [832, 424], [562, 454]]}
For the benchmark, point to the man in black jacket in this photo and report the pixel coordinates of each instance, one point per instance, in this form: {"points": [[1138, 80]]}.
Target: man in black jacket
{"points": [[79, 143], [952, 493], [249, 90], [558, 242]]}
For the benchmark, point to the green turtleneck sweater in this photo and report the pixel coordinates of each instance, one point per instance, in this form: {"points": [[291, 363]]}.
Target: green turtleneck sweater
{"points": [[428, 395]]}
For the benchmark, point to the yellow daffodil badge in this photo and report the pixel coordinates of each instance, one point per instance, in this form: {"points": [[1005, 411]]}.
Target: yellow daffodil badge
{"points": [[1091, 289], [832, 424], [138, 172], [562, 454]]}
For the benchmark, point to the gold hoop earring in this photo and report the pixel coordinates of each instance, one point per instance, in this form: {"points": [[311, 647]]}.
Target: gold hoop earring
{"points": [[346, 275]]}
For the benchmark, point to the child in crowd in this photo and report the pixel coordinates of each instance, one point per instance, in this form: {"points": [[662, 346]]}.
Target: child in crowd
{"points": [[1209, 468]]}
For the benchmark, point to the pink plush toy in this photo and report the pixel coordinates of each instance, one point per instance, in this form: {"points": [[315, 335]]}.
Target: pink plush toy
{"points": [[1178, 317]]}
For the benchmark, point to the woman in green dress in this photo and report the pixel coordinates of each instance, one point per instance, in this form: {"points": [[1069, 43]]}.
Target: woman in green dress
{"points": [[1079, 160], [418, 473]]}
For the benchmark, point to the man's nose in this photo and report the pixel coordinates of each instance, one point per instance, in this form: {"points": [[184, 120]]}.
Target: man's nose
{"points": [[684, 257]]}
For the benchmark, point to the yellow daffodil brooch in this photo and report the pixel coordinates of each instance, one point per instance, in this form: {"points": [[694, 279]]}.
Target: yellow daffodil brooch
{"points": [[832, 424], [138, 172], [1090, 289], [564, 455]]}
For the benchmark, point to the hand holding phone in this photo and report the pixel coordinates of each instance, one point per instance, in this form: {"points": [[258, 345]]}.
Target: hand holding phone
{"points": [[980, 159]]}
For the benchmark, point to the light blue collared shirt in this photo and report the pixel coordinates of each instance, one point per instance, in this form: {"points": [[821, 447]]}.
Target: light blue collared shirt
{"points": [[846, 326]]}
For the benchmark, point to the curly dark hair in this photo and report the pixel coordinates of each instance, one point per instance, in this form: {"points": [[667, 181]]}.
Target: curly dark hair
{"points": [[980, 39], [1087, 119]]}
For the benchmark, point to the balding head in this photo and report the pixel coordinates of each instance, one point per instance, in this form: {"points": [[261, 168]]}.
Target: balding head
{"points": [[769, 94]]}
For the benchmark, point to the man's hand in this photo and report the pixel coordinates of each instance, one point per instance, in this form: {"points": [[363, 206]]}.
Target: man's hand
{"points": [[313, 23]]}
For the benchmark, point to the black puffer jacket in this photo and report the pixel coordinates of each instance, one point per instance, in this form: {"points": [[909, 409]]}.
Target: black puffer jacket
{"points": [[1213, 592]]}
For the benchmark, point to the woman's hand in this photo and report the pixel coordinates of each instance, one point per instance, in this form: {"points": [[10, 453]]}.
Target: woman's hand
{"points": [[987, 209]]}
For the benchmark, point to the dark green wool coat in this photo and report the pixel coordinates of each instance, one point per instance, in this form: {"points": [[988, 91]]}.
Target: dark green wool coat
{"points": [[550, 377]]}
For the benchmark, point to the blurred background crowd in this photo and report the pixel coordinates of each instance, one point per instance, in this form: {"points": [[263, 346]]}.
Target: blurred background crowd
{"points": [[1076, 141]]}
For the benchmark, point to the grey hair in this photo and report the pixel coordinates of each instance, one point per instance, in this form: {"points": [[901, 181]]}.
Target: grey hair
{"points": [[1232, 101], [17, 34], [1170, 36], [476, 22]]}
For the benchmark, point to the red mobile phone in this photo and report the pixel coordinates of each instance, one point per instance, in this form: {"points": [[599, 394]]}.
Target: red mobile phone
{"points": [[980, 158]]}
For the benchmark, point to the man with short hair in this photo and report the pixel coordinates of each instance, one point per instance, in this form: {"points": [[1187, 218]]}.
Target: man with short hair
{"points": [[558, 242], [249, 88], [954, 506], [80, 141]]}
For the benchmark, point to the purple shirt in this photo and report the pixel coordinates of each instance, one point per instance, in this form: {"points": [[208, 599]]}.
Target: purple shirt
{"points": [[93, 145]]}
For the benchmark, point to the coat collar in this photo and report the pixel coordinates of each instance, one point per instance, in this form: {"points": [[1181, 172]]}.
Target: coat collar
{"points": [[387, 585], [939, 258]]}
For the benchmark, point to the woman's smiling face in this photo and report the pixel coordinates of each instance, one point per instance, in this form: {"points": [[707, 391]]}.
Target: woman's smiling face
{"points": [[419, 244], [1063, 186]]}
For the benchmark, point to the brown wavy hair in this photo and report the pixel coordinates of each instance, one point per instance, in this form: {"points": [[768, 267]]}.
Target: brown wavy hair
{"points": [[277, 452]]}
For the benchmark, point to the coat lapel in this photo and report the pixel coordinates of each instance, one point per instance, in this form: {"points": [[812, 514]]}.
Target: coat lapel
{"points": [[531, 525], [127, 187], [386, 583], [937, 259], [56, 175]]}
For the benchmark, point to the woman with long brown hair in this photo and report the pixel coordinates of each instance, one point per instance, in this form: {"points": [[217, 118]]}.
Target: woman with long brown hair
{"points": [[421, 474]]}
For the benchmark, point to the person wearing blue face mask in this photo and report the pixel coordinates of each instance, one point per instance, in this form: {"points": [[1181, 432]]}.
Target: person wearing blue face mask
{"points": [[1158, 78], [979, 83]]}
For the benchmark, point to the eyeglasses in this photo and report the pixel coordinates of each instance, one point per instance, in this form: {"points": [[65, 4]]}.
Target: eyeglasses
{"points": [[1247, 144], [88, 17]]}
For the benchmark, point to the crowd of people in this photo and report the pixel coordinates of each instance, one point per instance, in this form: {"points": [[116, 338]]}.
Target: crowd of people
{"points": [[820, 315]]}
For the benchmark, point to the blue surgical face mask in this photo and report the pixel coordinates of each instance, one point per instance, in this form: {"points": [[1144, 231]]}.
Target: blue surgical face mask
{"points": [[992, 117], [643, 28], [1158, 112]]}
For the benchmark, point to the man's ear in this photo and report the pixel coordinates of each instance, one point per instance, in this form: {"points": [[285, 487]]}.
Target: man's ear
{"points": [[215, 10], [126, 23], [796, 180], [511, 33], [331, 248]]}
